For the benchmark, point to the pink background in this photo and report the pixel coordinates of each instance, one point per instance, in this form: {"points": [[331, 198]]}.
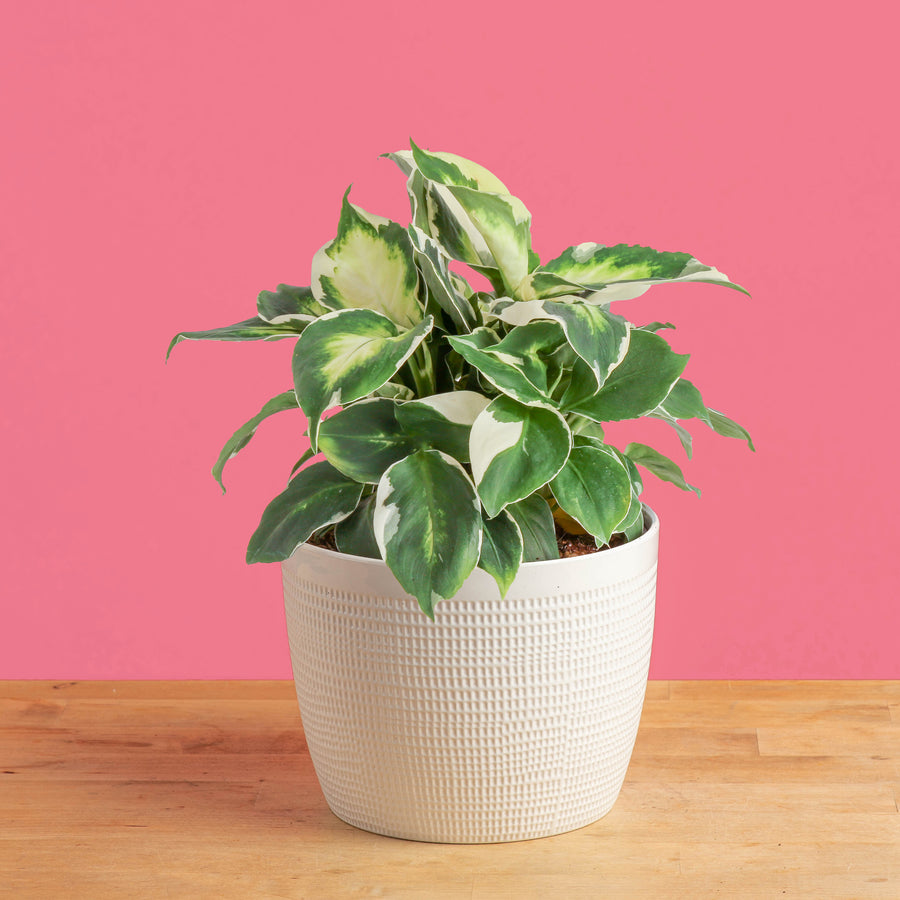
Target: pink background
{"points": [[163, 162]]}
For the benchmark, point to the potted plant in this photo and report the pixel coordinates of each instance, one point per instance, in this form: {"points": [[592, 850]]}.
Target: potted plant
{"points": [[457, 679]]}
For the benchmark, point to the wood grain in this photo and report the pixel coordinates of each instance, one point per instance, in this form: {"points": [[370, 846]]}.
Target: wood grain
{"points": [[206, 789]]}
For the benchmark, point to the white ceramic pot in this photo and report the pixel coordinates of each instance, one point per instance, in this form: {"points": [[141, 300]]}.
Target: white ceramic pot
{"points": [[500, 721]]}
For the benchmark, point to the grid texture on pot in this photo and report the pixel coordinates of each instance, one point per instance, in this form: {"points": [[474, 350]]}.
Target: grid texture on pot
{"points": [[502, 720]]}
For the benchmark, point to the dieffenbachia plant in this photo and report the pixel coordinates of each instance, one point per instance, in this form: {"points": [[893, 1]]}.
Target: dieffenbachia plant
{"points": [[470, 422]]}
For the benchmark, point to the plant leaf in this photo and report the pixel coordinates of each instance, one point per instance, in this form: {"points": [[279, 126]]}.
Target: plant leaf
{"points": [[318, 496], [442, 421], [515, 450], [501, 549], [433, 265], [514, 365], [369, 265], [428, 525], [684, 401], [596, 335], [632, 526], [288, 304], [626, 271], [594, 489], [254, 329], [364, 439], [346, 355], [355, 534], [537, 527], [242, 437], [634, 388], [661, 466]]}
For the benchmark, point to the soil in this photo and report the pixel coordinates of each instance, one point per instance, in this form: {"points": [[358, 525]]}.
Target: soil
{"points": [[569, 544]]}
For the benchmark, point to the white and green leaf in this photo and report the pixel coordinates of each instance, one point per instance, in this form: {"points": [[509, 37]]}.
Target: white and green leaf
{"points": [[640, 382], [427, 524], [244, 434], [516, 449], [538, 529], [442, 286], [659, 465], [369, 265], [595, 334], [364, 439], [288, 304], [625, 271], [356, 533], [516, 364], [442, 421], [317, 497], [501, 549], [254, 329], [594, 488], [347, 355], [684, 401]]}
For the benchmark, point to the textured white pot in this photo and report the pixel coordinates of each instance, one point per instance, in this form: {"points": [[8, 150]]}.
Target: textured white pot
{"points": [[500, 721]]}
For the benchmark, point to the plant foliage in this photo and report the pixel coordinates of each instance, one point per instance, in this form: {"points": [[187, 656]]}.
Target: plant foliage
{"points": [[470, 421]]}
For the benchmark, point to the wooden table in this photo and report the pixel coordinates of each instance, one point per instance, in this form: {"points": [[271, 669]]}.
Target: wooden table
{"points": [[205, 789]]}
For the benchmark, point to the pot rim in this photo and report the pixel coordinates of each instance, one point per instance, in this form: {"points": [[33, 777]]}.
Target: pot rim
{"points": [[646, 536]]}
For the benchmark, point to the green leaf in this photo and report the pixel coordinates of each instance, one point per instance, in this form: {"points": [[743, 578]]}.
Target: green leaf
{"points": [[634, 388], [428, 525], [288, 304], [656, 326], [661, 466], [535, 521], [318, 496], [369, 265], [687, 440], [242, 437], [364, 439], [626, 271], [594, 489], [516, 364], [448, 168], [515, 450], [721, 424], [596, 335], [346, 355], [504, 224], [684, 401], [442, 421], [254, 329], [501, 549], [442, 287], [356, 534], [632, 526]]}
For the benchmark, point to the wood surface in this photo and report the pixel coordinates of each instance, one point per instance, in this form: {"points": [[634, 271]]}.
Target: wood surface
{"points": [[205, 789]]}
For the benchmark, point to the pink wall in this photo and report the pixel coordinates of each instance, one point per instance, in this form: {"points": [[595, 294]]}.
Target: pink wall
{"points": [[162, 162]]}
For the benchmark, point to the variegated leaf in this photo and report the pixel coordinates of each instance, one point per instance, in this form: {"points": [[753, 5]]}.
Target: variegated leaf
{"points": [[626, 271], [514, 365], [242, 437], [369, 265], [442, 421], [594, 489], [632, 526], [537, 527], [346, 355], [440, 281], [595, 334], [515, 450], [501, 549], [317, 497], [427, 524], [356, 533], [254, 329], [686, 438], [659, 465], [364, 439], [288, 304], [634, 388], [393, 391], [684, 401]]}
